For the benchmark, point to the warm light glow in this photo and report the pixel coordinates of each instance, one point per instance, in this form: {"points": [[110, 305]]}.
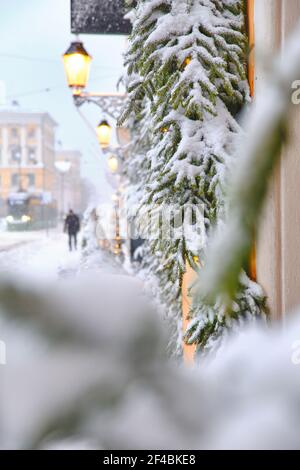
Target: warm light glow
{"points": [[113, 163], [117, 248], [104, 131], [187, 61], [77, 66]]}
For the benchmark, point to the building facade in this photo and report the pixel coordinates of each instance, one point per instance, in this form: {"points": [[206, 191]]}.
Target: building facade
{"points": [[27, 152], [278, 245]]}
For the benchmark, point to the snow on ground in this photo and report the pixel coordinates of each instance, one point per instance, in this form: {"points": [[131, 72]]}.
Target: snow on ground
{"points": [[37, 254], [9, 240], [46, 256]]}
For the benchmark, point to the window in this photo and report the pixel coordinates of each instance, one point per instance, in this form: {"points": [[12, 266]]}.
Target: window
{"points": [[32, 160], [31, 132], [16, 154], [31, 180], [14, 179], [14, 132]]}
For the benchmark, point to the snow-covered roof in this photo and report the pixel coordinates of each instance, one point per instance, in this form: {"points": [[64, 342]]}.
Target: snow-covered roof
{"points": [[9, 113]]}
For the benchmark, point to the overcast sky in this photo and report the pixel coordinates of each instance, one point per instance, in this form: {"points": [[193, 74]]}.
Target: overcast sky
{"points": [[33, 36]]}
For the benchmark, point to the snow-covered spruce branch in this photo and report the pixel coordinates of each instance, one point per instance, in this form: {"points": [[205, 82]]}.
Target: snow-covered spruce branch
{"points": [[267, 132], [187, 59], [122, 392], [85, 332], [59, 317]]}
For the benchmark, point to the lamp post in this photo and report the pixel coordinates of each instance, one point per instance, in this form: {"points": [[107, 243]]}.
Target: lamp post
{"points": [[63, 167], [117, 245], [18, 157], [77, 63]]}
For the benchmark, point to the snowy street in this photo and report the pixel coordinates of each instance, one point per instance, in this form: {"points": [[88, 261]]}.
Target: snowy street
{"points": [[10, 240], [37, 254]]}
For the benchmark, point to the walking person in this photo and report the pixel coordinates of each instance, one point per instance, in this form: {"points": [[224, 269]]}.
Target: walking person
{"points": [[72, 227]]}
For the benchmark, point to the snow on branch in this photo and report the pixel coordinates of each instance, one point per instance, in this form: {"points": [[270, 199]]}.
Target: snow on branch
{"points": [[230, 250]]}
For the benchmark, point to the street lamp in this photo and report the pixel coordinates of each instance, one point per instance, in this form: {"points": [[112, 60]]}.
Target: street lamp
{"points": [[77, 62], [104, 131], [113, 163], [63, 167]]}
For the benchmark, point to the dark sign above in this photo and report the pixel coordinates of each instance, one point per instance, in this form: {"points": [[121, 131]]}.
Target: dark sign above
{"points": [[99, 17]]}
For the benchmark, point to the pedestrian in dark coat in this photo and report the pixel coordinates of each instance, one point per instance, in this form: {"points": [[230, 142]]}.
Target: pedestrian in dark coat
{"points": [[72, 227]]}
